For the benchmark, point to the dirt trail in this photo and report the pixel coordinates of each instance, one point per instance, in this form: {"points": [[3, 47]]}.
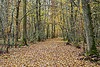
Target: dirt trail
{"points": [[51, 53]]}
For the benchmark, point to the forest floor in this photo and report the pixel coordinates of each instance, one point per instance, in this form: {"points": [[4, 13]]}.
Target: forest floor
{"points": [[51, 53]]}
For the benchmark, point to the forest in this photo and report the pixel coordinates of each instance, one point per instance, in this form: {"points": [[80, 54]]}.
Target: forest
{"points": [[49, 33]]}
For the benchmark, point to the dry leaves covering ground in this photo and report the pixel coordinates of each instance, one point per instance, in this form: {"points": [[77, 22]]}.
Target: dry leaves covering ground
{"points": [[51, 53]]}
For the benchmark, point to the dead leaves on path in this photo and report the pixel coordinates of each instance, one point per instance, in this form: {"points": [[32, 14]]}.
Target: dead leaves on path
{"points": [[44, 54]]}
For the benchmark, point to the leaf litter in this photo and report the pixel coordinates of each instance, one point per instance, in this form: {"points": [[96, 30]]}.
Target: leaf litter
{"points": [[51, 53]]}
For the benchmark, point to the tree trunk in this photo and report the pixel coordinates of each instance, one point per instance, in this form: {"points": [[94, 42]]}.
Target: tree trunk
{"points": [[17, 24], [72, 23], [37, 20], [12, 21], [91, 48], [39, 23], [24, 24]]}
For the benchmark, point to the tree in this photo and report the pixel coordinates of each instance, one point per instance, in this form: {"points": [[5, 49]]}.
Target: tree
{"points": [[24, 23], [91, 46], [17, 24]]}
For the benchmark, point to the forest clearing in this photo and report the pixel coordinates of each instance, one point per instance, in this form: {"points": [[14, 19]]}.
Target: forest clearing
{"points": [[49, 33]]}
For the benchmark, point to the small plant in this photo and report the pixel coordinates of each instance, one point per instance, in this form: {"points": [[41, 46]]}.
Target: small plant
{"points": [[20, 45], [87, 54]]}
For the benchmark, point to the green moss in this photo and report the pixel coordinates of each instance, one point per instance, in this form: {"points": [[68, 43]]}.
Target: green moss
{"points": [[94, 50]]}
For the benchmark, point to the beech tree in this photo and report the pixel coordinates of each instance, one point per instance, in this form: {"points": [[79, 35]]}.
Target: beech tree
{"points": [[24, 23], [91, 45], [17, 21]]}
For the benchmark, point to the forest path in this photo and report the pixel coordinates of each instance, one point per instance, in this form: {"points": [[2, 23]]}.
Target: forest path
{"points": [[51, 53]]}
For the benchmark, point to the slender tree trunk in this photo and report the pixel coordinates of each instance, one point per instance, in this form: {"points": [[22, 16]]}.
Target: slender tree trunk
{"points": [[8, 46], [37, 20], [72, 23], [48, 31], [39, 26], [52, 30], [24, 24], [3, 34], [12, 21], [48, 25], [17, 24]]}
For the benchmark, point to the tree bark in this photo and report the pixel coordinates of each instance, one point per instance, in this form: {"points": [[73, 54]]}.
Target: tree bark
{"points": [[24, 24], [91, 48], [17, 24]]}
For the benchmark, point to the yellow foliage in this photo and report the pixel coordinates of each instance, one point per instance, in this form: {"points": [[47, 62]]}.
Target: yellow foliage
{"points": [[69, 4], [76, 8]]}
